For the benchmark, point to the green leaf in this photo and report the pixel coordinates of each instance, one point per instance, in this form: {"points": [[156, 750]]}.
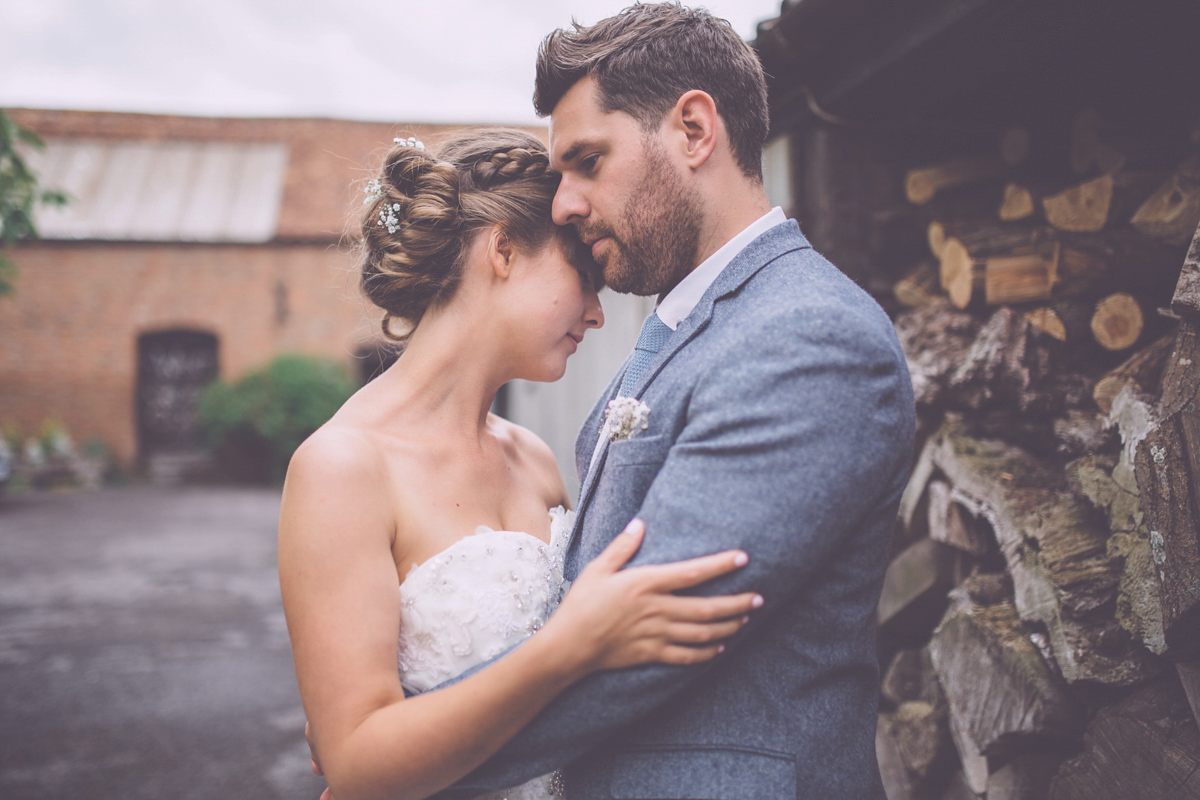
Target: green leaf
{"points": [[19, 193]]}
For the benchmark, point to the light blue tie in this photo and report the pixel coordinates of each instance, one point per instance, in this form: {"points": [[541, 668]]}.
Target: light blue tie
{"points": [[653, 336]]}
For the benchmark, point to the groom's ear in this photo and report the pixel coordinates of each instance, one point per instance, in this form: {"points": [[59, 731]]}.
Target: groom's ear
{"points": [[696, 121]]}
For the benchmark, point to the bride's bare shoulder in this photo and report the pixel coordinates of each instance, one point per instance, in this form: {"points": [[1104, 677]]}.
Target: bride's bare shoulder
{"points": [[337, 471], [337, 453], [531, 452]]}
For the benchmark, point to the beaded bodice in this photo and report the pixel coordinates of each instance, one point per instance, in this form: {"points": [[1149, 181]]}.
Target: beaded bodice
{"points": [[475, 600]]}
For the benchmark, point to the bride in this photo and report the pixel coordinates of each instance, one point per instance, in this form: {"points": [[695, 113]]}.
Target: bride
{"points": [[421, 536]]}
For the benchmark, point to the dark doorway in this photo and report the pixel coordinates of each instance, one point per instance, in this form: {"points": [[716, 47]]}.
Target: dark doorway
{"points": [[173, 368]]}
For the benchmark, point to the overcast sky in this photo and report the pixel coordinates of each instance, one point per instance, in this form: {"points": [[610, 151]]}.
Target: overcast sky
{"points": [[392, 60]]}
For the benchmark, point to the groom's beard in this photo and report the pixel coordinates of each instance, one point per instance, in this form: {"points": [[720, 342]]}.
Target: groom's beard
{"points": [[661, 232]]}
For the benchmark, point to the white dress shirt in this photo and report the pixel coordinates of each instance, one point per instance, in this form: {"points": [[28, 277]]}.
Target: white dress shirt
{"points": [[680, 301]]}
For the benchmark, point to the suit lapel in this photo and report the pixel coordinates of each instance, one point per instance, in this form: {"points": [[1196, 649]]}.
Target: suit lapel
{"points": [[783, 238]]}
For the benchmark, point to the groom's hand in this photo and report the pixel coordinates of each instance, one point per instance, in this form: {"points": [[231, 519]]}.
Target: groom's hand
{"points": [[312, 760]]}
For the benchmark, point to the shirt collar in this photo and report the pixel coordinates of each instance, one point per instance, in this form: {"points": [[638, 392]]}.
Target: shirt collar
{"points": [[680, 301]]}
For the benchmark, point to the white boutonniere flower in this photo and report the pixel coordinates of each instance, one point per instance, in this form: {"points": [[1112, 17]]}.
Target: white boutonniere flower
{"points": [[625, 418]]}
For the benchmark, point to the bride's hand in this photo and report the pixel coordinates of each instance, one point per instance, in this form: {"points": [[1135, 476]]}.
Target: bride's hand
{"points": [[620, 617]]}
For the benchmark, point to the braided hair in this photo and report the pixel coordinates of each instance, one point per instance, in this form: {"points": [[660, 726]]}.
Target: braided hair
{"points": [[417, 232]]}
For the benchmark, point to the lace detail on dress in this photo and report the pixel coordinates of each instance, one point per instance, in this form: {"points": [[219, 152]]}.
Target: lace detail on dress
{"points": [[476, 599]]}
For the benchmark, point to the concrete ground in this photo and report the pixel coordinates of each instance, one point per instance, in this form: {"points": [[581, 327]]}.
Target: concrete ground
{"points": [[143, 652]]}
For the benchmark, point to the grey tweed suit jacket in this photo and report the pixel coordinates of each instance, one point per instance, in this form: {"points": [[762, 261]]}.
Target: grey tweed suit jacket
{"points": [[781, 422]]}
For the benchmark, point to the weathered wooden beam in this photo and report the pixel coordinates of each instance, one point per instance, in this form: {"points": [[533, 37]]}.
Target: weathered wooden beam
{"points": [[1056, 553], [1147, 747], [1166, 491], [1187, 290]]}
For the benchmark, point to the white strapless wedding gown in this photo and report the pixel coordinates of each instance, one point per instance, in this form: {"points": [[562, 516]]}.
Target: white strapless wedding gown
{"points": [[473, 601]]}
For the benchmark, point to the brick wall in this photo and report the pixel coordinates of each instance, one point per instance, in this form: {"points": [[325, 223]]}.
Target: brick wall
{"points": [[68, 337]]}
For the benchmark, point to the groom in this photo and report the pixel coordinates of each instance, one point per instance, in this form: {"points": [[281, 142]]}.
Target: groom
{"points": [[780, 423]]}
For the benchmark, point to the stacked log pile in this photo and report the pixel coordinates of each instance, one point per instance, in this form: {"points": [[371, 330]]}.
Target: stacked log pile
{"points": [[1040, 619]]}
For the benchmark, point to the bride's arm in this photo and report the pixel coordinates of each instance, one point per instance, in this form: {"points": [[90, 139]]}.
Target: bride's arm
{"points": [[341, 597]]}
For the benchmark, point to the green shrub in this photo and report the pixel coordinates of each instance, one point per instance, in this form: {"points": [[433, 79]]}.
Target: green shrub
{"points": [[253, 426]]}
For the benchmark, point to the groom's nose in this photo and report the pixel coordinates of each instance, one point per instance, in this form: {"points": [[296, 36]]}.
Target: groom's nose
{"points": [[569, 206]]}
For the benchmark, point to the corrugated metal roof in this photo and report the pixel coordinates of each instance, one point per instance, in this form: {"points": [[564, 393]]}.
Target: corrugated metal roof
{"points": [[175, 191]]}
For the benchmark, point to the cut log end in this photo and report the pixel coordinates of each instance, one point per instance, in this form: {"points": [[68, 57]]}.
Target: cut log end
{"points": [[1172, 213], [921, 185], [1118, 321], [1081, 209], [1017, 203], [1047, 321]]}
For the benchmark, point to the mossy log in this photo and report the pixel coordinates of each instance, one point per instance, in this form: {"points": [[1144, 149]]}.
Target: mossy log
{"points": [[1147, 747], [1055, 549], [1112, 490]]}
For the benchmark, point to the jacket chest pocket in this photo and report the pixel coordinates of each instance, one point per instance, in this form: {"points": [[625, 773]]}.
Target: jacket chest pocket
{"points": [[638, 451], [629, 468]]}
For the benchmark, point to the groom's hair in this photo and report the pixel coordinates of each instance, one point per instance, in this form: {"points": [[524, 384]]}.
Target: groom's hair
{"points": [[644, 58]]}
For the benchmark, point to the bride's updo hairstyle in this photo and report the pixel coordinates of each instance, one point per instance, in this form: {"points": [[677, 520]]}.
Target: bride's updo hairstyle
{"points": [[426, 209]]}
